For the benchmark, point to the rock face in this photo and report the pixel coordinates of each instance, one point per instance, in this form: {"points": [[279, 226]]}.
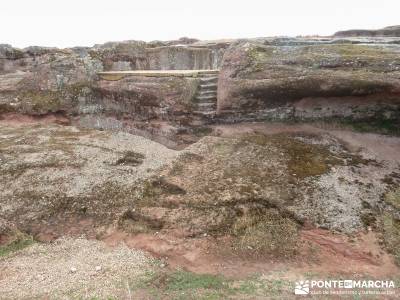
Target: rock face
{"points": [[179, 58], [287, 79], [136, 55], [265, 78], [140, 105], [38, 81], [387, 31]]}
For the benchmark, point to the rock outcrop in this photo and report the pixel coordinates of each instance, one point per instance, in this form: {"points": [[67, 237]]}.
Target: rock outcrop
{"points": [[294, 79], [38, 81], [260, 79], [387, 31]]}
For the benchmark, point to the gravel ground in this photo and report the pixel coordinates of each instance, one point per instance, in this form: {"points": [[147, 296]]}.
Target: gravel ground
{"points": [[75, 160], [42, 166], [71, 268], [40, 163], [341, 197]]}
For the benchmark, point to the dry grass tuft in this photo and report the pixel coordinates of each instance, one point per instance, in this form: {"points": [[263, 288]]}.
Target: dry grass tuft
{"points": [[131, 158], [267, 234], [393, 198], [391, 235]]}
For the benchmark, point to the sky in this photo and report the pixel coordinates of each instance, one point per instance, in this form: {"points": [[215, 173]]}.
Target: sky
{"points": [[67, 23]]}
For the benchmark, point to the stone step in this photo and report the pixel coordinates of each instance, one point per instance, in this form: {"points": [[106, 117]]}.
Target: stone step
{"points": [[207, 92], [206, 97], [208, 79], [206, 113], [206, 109], [206, 101], [208, 86], [204, 75], [206, 106]]}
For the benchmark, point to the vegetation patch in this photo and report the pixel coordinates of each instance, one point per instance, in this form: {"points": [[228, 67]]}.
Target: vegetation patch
{"points": [[391, 235], [258, 56], [18, 169], [187, 285], [42, 102], [135, 222], [202, 131], [153, 189], [182, 280], [382, 126], [376, 125], [103, 203], [19, 242], [393, 198], [5, 108], [303, 159], [130, 158], [266, 234], [185, 159], [107, 199]]}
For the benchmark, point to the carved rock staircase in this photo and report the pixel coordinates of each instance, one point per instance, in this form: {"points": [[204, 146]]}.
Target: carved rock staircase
{"points": [[206, 96]]}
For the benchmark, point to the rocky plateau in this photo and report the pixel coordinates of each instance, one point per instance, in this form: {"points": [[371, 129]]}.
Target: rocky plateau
{"points": [[129, 186]]}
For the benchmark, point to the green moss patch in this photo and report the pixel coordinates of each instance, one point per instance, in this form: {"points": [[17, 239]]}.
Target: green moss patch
{"points": [[258, 55], [182, 280], [181, 284], [382, 126], [391, 235], [20, 242], [42, 102], [303, 159], [393, 198]]}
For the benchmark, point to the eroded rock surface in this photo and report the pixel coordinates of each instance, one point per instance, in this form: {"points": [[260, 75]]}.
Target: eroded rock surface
{"points": [[243, 202], [52, 173], [310, 80], [351, 78], [56, 171]]}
